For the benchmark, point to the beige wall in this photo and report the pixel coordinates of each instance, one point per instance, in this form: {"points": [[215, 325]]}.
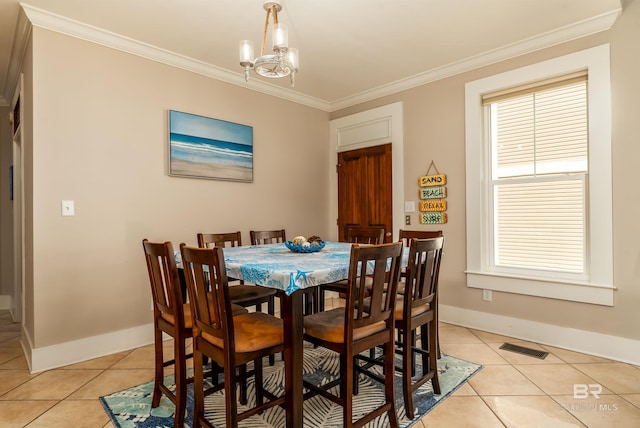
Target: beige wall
{"points": [[100, 139], [434, 129]]}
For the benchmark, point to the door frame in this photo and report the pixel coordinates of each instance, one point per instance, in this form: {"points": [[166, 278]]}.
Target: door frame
{"points": [[373, 127], [17, 302]]}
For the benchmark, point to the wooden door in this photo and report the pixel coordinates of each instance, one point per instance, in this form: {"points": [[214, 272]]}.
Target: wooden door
{"points": [[365, 189]]}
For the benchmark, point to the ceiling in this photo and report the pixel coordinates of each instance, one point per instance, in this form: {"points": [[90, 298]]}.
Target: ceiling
{"points": [[350, 50]]}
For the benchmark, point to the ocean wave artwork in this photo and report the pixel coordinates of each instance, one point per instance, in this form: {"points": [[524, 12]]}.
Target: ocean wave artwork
{"points": [[204, 147]]}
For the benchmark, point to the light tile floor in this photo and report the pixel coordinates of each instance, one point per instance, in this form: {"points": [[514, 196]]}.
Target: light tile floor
{"points": [[510, 391]]}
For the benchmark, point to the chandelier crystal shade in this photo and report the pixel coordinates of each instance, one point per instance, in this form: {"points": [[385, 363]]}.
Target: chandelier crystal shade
{"points": [[282, 62]]}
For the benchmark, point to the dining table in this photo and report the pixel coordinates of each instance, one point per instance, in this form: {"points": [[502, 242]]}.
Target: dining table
{"points": [[276, 266]]}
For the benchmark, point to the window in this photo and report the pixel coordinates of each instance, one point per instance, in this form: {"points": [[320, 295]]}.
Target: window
{"points": [[539, 180]]}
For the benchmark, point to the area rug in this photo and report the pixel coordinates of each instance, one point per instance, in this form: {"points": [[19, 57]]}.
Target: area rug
{"points": [[131, 408]]}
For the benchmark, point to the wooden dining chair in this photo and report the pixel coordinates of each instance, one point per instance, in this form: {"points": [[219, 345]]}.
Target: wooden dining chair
{"points": [[406, 236], [365, 235], [355, 235], [173, 317], [240, 294], [261, 237], [415, 309], [230, 341], [351, 330]]}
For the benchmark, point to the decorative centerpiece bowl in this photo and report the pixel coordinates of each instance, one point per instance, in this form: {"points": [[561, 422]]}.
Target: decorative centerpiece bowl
{"points": [[305, 247]]}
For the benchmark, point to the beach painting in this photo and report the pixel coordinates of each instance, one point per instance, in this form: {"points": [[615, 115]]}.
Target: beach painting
{"points": [[202, 147]]}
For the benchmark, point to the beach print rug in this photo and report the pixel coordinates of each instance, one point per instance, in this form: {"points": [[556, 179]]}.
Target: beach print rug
{"points": [[131, 408]]}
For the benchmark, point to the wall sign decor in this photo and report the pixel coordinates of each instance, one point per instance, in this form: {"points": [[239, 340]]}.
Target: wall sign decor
{"points": [[202, 147], [432, 193], [438, 192], [437, 205], [433, 218], [432, 180]]}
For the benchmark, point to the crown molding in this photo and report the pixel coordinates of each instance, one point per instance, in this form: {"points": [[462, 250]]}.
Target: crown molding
{"points": [[80, 30], [70, 27], [578, 30], [18, 49]]}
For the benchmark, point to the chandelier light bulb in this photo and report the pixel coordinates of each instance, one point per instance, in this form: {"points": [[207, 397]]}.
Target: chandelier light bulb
{"points": [[280, 37], [246, 53], [293, 58]]}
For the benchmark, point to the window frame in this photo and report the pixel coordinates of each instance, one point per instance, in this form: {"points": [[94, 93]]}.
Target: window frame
{"points": [[597, 287]]}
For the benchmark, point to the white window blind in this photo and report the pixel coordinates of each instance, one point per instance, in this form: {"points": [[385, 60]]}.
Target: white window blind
{"points": [[540, 225], [539, 153]]}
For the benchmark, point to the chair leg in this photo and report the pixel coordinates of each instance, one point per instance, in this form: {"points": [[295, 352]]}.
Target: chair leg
{"points": [[258, 381], [389, 388], [159, 368], [271, 310], [231, 400], [346, 389], [215, 372], [242, 375], [425, 340], [181, 383], [198, 388], [433, 356], [356, 377], [414, 341], [407, 364]]}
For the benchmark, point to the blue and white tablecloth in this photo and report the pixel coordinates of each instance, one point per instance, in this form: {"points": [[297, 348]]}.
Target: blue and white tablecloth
{"points": [[275, 266]]}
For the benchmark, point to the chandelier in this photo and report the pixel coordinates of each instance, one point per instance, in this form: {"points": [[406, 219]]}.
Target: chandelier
{"points": [[284, 60]]}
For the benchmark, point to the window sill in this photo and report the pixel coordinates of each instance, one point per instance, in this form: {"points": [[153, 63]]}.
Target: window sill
{"points": [[561, 290]]}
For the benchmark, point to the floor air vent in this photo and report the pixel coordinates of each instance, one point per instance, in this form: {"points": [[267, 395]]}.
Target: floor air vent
{"points": [[524, 351]]}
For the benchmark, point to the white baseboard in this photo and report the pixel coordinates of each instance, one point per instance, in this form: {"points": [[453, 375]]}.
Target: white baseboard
{"points": [[586, 342], [54, 356], [5, 301]]}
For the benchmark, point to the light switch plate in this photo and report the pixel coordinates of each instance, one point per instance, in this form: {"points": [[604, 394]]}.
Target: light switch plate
{"points": [[409, 206], [68, 208]]}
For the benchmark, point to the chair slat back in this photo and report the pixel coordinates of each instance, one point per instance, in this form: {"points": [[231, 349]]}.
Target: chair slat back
{"points": [[260, 237], [373, 274], [230, 239], [423, 270], [365, 235], [206, 278], [164, 279], [406, 236]]}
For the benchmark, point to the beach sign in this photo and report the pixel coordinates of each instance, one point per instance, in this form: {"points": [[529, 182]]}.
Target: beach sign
{"points": [[439, 192]]}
